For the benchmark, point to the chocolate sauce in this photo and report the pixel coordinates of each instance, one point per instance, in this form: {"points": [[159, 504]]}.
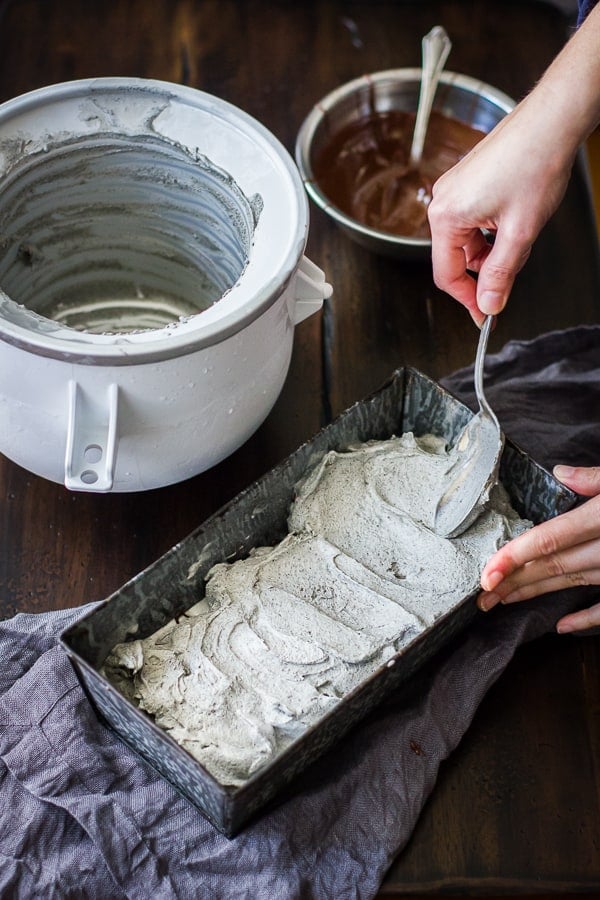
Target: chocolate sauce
{"points": [[364, 169]]}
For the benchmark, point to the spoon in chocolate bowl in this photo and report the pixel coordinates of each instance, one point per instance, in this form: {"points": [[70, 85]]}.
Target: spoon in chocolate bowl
{"points": [[435, 47], [475, 459], [401, 192]]}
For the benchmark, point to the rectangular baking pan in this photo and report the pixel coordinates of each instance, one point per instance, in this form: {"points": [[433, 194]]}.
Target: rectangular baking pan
{"points": [[409, 401]]}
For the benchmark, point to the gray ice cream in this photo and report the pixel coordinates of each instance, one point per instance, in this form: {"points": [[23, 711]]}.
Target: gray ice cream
{"points": [[282, 635]]}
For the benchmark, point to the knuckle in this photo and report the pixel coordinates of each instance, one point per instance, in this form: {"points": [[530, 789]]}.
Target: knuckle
{"points": [[435, 212], [555, 566], [520, 233], [497, 270], [547, 543], [592, 476], [577, 579], [439, 280]]}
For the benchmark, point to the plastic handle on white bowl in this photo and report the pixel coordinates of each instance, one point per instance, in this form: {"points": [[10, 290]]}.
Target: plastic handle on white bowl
{"points": [[310, 291], [91, 439]]}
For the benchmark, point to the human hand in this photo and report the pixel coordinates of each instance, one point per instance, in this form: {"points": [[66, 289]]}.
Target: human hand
{"points": [[513, 180], [557, 554], [509, 185]]}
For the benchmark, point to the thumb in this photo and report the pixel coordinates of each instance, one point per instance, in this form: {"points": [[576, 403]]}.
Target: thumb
{"points": [[581, 479], [498, 272]]}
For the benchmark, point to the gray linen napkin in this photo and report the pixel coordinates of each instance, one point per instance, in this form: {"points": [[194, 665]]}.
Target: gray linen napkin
{"points": [[82, 817]]}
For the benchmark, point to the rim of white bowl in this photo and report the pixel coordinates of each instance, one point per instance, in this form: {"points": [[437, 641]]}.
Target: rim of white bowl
{"points": [[254, 292]]}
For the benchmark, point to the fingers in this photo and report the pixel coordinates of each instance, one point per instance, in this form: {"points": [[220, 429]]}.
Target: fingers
{"points": [[450, 271], [456, 249], [579, 621], [546, 540], [559, 554], [486, 601], [476, 251], [573, 568], [584, 480], [499, 270]]}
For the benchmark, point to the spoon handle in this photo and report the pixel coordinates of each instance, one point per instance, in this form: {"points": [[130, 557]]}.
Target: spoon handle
{"points": [[478, 369], [435, 49]]}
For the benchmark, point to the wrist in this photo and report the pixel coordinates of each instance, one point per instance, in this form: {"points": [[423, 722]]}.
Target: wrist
{"points": [[568, 94]]}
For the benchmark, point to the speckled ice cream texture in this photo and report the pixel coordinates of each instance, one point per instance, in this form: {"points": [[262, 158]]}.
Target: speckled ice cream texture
{"points": [[281, 636]]}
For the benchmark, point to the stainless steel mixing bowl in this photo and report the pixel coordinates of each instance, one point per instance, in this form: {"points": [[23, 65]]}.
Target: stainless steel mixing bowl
{"points": [[471, 101]]}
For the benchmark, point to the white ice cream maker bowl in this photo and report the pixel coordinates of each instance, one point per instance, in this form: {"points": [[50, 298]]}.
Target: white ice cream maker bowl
{"points": [[151, 276]]}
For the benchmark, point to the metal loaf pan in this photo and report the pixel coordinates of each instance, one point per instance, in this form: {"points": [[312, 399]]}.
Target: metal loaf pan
{"points": [[409, 401]]}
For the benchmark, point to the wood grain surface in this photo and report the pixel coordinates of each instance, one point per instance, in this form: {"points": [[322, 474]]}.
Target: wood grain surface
{"points": [[516, 808]]}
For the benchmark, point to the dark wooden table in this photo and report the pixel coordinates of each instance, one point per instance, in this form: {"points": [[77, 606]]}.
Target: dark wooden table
{"points": [[516, 809]]}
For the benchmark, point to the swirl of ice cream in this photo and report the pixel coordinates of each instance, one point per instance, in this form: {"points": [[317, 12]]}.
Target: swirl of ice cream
{"points": [[282, 635]]}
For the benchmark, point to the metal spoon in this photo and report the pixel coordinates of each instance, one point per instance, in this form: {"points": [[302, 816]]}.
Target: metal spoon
{"points": [[435, 48], [477, 453]]}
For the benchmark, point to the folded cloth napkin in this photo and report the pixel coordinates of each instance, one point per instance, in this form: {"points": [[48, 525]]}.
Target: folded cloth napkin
{"points": [[81, 816]]}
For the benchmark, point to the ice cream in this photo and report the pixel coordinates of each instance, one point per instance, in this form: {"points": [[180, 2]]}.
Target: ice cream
{"points": [[282, 635]]}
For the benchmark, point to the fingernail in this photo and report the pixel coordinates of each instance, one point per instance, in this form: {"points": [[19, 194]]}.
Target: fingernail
{"points": [[491, 302], [492, 580], [486, 601], [561, 472], [564, 628]]}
